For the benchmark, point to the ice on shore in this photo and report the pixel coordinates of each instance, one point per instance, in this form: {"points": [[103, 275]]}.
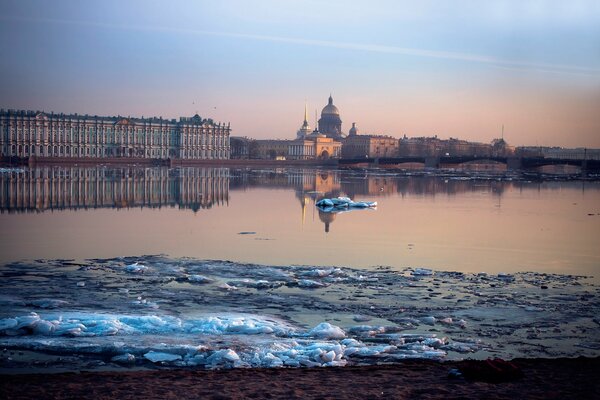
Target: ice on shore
{"points": [[199, 279], [126, 358], [270, 320], [156, 357], [422, 272], [136, 268], [80, 324], [327, 331], [309, 283]]}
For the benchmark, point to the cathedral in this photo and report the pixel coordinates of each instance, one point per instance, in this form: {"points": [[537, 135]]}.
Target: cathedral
{"points": [[316, 144], [330, 123]]}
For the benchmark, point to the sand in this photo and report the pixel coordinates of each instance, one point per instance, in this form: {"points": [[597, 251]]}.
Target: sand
{"points": [[541, 379]]}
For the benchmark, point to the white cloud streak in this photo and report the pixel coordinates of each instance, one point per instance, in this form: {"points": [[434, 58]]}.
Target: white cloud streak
{"points": [[373, 48]]}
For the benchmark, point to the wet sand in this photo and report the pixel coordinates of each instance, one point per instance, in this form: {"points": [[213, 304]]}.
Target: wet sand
{"points": [[540, 379]]}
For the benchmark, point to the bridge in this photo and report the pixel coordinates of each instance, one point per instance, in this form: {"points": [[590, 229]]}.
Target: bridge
{"points": [[512, 163]]}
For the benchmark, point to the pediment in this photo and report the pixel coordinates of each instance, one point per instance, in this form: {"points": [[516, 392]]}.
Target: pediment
{"points": [[41, 116]]}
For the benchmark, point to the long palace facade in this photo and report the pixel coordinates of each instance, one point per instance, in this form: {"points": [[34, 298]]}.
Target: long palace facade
{"points": [[25, 134]]}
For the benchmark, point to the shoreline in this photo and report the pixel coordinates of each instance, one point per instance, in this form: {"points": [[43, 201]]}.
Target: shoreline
{"points": [[540, 378]]}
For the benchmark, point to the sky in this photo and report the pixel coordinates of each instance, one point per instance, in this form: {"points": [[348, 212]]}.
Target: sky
{"points": [[459, 69]]}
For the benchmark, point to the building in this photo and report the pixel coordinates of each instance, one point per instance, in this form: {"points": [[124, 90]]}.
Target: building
{"points": [[313, 145], [433, 146], [368, 146], [241, 147], [270, 149], [578, 153], [26, 134], [330, 123]]}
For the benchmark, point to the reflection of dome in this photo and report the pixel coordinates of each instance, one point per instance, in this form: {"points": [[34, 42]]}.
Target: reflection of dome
{"points": [[330, 108], [326, 218]]}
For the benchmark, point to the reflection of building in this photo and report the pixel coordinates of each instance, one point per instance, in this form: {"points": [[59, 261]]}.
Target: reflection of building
{"points": [[327, 218], [372, 146], [312, 185], [36, 134], [42, 189]]}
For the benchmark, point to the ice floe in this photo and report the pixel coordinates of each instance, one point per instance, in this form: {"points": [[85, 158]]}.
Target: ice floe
{"points": [[343, 203], [201, 313]]}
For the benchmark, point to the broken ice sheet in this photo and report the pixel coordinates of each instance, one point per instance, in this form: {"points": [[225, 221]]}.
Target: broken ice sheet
{"points": [[220, 314]]}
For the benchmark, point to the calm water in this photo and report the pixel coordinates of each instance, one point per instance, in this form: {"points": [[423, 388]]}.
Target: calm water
{"points": [[146, 288], [466, 224]]}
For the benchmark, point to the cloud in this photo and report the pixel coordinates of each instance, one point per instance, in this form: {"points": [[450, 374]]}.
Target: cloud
{"points": [[374, 48]]}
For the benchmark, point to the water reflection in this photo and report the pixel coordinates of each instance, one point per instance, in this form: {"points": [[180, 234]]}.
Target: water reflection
{"points": [[195, 188], [463, 222], [43, 189]]}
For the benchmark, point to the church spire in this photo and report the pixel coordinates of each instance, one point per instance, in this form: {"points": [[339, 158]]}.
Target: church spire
{"points": [[330, 99], [305, 114]]}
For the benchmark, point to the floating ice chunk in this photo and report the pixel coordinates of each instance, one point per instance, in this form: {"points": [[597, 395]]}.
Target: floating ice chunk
{"points": [[422, 272], [309, 283], [461, 347], [327, 331], [328, 356], [337, 363], [436, 343], [256, 284], [227, 287], [223, 358], [506, 277], [199, 279], [8, 323], [198, 359], [270, 360], [370, 351], [325, 203], [343, 202], [136, 268], [27, 321], [361, 318], [428, 320], [157, 356], [447, 321], [126, 358], [320, 272], [81, 284], [352, 343], [433, 354], [43, 327], [367, 330]]}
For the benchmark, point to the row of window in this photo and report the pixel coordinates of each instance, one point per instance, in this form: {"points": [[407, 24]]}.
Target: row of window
{"points": [[69, 151]]}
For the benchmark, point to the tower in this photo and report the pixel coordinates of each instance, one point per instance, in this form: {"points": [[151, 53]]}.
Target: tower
{"points": [[305, 128]]}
